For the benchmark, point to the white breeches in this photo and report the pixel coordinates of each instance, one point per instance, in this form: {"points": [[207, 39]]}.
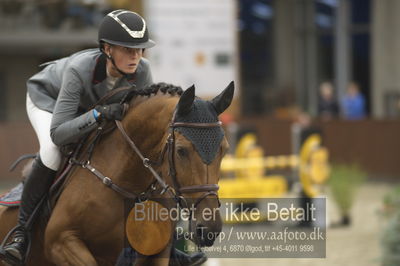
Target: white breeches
{"points": [[41, 120]]}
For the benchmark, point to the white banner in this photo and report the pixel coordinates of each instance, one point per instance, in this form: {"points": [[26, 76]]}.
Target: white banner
{"points": [[196, 43]]}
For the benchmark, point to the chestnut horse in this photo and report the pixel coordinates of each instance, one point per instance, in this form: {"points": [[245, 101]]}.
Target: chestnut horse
{"points": [[87, 225]]}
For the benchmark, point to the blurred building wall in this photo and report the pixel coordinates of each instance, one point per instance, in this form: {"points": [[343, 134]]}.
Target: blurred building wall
{"points": [[16, 69], [285, 38], [295, 65], [16, 139], [386, 58]]}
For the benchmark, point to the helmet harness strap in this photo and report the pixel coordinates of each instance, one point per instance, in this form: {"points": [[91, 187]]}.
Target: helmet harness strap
{"points": [[115, 65], [109, 57]]}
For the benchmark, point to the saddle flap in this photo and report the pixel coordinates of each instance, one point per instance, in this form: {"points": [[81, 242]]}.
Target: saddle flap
{"points": [[13, 197]]}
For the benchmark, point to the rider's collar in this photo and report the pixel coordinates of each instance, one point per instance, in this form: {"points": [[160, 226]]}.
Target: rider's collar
{"points": [[100, 72]]}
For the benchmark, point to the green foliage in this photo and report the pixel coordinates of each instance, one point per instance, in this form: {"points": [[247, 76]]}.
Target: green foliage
{"points": [[391, 242], [391, 236], [344, 181], [391, 202]]}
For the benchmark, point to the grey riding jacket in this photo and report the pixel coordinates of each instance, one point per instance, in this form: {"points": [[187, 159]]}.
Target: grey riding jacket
{"points": [[69, 87]]}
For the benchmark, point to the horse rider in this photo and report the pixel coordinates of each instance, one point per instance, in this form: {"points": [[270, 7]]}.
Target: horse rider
{"points": [[59, 100]]}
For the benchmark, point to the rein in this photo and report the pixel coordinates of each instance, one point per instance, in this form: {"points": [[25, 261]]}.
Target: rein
{"points": [[146, 161], [177, 190]]}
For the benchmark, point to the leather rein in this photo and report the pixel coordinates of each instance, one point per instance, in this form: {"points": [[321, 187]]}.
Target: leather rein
{"points": [[169, 148], [177, 190]]}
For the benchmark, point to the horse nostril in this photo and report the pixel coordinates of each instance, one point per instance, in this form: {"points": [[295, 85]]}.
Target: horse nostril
{"points": [[200, 230], [205, 237]]}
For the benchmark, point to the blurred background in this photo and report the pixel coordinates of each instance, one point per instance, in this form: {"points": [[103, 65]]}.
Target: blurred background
{"points": [[329, 68]]}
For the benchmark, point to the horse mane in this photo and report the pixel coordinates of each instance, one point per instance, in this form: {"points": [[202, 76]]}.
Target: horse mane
{"points": [[152, 97], [151, 107], [154, 89]]}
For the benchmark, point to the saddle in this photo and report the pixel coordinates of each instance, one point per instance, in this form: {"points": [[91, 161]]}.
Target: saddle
{"points": [[13, 197]]}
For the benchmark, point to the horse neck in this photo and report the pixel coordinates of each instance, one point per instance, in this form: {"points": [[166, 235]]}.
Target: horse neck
{"points": [[148, 121], [146, 124]]}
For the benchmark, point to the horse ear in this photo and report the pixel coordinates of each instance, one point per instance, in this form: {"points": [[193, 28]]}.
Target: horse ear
{"points": [[186, 101], [224, 99]]}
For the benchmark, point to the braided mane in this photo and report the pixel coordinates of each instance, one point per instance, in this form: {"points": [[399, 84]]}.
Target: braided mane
{"points": [[165, 88], [137, 96]]}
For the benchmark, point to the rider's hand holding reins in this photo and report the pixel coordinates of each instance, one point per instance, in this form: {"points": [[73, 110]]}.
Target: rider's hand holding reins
{"points": [[114, 111]]}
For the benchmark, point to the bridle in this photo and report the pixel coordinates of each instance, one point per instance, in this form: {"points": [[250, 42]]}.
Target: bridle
{"points": [[206, 189], [177, 191]]}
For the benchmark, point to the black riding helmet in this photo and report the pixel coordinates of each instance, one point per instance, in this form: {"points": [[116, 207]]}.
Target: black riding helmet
{"points": [[124, 28]]}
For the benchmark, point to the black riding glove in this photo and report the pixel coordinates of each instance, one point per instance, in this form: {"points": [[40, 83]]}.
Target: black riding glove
{"points": [[114, 111]]}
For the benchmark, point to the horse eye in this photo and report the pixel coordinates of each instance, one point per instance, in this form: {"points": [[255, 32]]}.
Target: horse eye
{"points": [[182, 152]]}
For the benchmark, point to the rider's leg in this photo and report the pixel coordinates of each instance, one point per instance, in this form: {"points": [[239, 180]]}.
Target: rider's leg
{"points": [[41, 121], [35, 187], [41, 177]]}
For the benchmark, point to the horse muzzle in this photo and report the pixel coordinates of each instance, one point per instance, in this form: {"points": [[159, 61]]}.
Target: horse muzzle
{"points": [[206, 232]]}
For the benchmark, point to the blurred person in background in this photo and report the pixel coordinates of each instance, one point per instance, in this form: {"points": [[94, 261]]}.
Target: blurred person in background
{"points": [[59, 105], [328, 106], [86, 13], [353, 103], [81, 13]]}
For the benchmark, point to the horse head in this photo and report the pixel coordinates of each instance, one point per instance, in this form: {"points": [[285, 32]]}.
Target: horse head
{"points": [[199, 147], [188, 139]]}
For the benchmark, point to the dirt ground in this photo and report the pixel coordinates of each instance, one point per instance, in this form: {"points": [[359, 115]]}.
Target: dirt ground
{"points": [[357, 245]]}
